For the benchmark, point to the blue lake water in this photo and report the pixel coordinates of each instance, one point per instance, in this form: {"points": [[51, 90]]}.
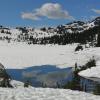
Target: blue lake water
{"points": [[48, 75]]}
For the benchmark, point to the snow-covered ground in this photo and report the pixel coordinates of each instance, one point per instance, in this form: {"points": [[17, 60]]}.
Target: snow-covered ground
{"points": [[21, 56], [44, 94], [17, 56], [17, 84], [93, 72], [31, 93]]}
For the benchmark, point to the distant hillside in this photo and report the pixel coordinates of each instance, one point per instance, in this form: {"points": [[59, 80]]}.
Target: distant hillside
{"points": [[74, 32]]}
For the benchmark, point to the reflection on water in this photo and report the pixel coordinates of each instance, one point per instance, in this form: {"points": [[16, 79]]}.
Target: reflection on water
{"points": [[47, 75]]}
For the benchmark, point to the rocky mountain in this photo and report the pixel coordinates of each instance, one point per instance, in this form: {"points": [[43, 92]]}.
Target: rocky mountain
{"points": [[73, 32]]}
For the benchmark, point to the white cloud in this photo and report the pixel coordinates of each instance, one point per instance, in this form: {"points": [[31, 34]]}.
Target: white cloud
{"points": [[96, 11], [49, 10], [29, 16]]}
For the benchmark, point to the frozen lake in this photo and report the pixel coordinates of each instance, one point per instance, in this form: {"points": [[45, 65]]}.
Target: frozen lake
{"points": [[48, 75]]}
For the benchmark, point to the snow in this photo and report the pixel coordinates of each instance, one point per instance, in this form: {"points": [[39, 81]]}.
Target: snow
{"points": [[37, 33], [90, 25], [32, 93], [44, 94], [93, 72], [17, 84], [79, 28], [15, 33], [22, 56], [70, 31], [16, 55]]}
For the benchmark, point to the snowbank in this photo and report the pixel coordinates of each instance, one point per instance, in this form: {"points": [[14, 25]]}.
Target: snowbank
{"points": [[93, 72], [17, 84], [44, 94]]}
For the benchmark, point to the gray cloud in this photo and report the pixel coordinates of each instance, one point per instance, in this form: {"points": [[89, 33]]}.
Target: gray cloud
{"points": [[96, 11], [49, 10]]}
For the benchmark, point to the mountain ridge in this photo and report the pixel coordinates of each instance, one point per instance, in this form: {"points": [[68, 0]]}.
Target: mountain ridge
{"points": [[50, 35]]}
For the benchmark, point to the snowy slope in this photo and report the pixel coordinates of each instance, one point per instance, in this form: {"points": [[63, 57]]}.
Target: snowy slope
{"points": [[44, 94], [16, 84], [78, 26], [93, 72], [37, 35], [21, 32]]}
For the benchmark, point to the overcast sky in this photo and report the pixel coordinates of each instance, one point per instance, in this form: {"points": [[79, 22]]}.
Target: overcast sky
{"points": [[46, 12]]}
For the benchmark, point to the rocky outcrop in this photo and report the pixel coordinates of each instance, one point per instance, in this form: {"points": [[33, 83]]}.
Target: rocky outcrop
{"points": [[4, 77]]}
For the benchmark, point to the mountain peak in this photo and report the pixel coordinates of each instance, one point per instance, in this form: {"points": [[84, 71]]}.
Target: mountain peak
{"points": [[97, 21]]}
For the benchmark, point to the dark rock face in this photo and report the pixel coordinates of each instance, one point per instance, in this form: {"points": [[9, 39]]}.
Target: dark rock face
{"points": [[4, 77], [97, 21], [79, 47]]}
